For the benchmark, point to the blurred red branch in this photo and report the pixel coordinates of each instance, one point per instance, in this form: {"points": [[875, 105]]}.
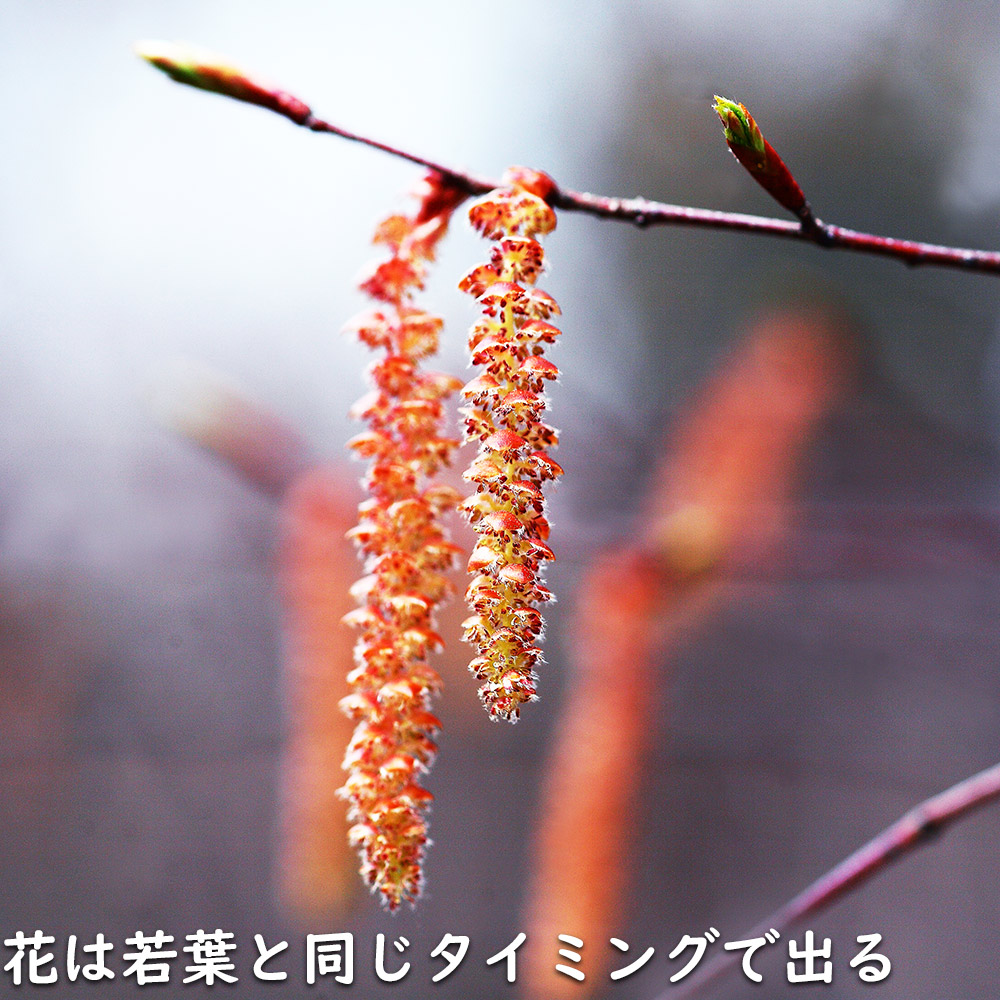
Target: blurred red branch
{"points": [[920, 825]]}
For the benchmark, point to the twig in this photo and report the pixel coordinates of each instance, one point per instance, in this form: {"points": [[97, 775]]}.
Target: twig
{"points": [[643, 212], [206, 71], [911, 831], [460, 179]]}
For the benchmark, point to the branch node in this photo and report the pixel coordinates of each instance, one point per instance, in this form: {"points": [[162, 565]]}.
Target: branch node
{"points": [[928, 828], [814, 229]]}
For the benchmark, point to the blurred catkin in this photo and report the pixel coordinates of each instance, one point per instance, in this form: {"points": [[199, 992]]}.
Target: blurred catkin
{"points": [[721, 492], [580, 855], [317, 868]]}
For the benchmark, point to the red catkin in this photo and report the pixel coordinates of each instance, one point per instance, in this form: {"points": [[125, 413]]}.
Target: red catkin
{"points": [[502, 415], [406, 552]]}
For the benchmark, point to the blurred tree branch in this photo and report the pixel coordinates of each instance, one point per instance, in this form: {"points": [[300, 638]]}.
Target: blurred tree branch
{"points": [[917, 827]]}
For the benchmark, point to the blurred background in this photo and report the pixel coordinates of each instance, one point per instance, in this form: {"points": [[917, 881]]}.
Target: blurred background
{"points": [[792, 456]]}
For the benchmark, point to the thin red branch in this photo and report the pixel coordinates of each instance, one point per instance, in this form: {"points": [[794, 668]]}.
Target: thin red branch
{"points": [[206, 71], [643, 212], [920, 825], [457, 178]]}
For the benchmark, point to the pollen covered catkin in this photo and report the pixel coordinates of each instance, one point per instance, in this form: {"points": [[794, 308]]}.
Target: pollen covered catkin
{"points": [[504, 402], [406, 552]]}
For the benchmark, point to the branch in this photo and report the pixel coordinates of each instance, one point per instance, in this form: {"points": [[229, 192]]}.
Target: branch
{"points": [[206, 71], [648, 213], [920, 825]]}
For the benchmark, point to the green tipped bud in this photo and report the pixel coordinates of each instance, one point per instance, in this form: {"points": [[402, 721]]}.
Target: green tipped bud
{"points": [[206, 70], [747, 143], [741, 129]]}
